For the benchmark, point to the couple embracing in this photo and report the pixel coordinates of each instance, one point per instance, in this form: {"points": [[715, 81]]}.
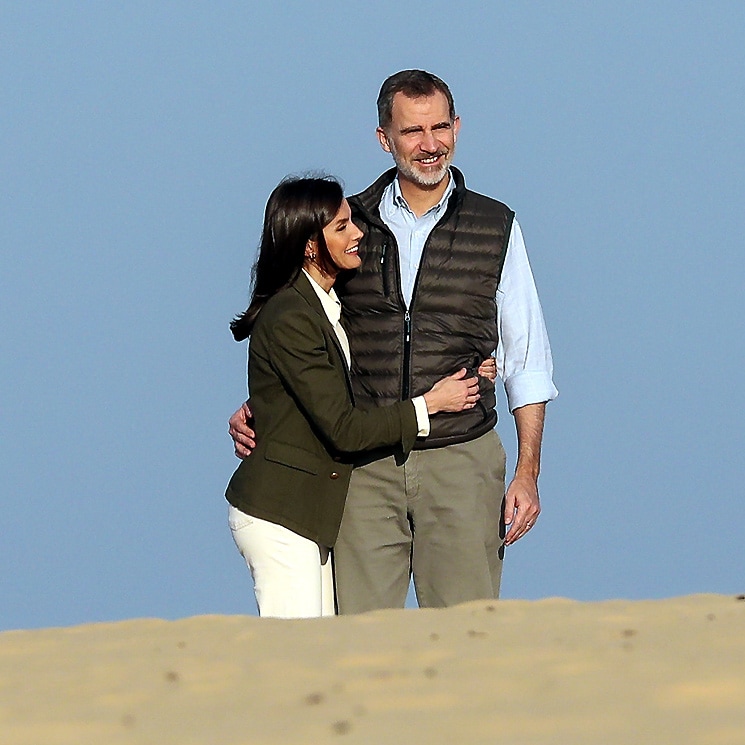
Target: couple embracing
{"points": [[375, 325]]}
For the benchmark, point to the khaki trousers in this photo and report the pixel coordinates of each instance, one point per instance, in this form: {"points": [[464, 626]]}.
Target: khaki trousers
{"points": [[438, 516]]}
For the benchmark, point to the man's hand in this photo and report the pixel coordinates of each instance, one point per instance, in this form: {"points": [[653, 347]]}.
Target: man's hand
{"points": [[521, 503], [488, 369], [241, 432]]}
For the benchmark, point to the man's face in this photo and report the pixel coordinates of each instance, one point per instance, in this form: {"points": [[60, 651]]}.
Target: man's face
{"points": [[421, 138]]}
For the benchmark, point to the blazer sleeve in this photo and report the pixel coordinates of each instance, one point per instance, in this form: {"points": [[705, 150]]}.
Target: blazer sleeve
{"points": [[314, 375]]}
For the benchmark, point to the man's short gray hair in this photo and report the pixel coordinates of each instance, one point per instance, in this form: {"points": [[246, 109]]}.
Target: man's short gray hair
{"points": [[413, 84]]}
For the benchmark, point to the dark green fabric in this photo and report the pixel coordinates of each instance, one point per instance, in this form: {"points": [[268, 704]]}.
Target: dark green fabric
{"points": [[308, 430]]}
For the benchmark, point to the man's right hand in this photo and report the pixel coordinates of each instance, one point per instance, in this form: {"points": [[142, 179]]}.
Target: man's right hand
{"points": [[488, 369], [240, 430]]}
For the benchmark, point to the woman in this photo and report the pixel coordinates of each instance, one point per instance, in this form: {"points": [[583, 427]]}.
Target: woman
{"points": [[286, 500]]}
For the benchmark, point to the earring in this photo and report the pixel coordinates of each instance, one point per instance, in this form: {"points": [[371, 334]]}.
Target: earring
{"points": [[311, 255]]}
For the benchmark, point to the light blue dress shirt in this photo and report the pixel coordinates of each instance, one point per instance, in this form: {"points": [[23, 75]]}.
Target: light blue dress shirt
{"points": [[523, 354]]}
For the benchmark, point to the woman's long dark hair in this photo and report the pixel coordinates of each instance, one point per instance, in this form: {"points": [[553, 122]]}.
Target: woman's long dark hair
{"points": [[297, 211]]}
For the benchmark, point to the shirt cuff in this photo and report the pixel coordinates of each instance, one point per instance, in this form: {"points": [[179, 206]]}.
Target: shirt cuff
{"points": [[528, 387], [422, 416]]}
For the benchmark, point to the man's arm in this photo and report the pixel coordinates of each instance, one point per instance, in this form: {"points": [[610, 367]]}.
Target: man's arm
{"points": [[244, 438], [523, 354], [524, 362], [522, 505]]}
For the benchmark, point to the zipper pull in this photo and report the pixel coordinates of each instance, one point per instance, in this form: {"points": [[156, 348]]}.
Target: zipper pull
{"points": [[382, 253], [407, 324]]}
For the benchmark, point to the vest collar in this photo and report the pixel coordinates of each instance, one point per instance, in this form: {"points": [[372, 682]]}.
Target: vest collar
{"points": [[368, 201]]}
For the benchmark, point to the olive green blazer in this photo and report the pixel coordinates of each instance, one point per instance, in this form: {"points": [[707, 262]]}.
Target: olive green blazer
{"points": [[307, 428]]}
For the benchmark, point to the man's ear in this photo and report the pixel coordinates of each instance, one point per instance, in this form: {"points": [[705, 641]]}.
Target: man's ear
{"points": [[456, 128], [383, 139]]}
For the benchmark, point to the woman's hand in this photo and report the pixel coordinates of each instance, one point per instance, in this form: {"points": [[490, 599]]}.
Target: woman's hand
{"points": [[488, 369], [454, 393]]}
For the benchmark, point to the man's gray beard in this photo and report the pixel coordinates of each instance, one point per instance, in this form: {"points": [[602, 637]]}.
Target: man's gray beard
{"points": [[418, 177]]}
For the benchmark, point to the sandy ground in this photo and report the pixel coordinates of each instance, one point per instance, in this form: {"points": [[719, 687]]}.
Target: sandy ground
{"points": [[549, 671]]}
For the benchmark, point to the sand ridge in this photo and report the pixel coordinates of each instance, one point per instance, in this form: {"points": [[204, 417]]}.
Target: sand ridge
{"points": [[517, 672]]}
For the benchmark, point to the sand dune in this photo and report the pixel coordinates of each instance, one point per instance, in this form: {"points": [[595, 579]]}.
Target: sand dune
{"points": [[550, 671]]}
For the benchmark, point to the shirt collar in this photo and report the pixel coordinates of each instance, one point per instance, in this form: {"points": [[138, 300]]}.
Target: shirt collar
{"points": [[329, 300], [398, 200]]}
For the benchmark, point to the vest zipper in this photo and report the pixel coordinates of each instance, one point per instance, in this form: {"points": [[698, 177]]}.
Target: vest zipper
{"points": [[407, 356], [407, 317]]}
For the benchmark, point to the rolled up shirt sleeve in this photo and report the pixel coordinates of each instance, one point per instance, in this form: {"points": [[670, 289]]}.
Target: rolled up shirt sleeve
{"points": [[523, 355]]}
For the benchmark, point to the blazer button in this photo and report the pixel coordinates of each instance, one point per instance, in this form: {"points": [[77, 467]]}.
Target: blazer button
{"points": [[334, 475]]}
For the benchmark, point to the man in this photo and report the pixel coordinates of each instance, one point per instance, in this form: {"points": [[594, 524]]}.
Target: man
{"points": [[444, 282]]}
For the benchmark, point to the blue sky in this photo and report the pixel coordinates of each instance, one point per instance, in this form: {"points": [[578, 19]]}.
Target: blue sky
{"points": [[139, 142]]}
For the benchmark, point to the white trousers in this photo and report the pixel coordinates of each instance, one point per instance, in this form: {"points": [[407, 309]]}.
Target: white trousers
{"points": [[292, 575]]}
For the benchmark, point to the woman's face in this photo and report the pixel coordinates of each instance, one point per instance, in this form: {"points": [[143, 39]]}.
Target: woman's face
{"points": [[342, 237]]}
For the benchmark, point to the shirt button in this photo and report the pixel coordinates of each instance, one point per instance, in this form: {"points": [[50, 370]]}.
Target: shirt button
{"points": [[334, 475]]}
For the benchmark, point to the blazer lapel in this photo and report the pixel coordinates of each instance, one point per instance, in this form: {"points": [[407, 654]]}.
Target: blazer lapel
{"points": [[302, 285]]}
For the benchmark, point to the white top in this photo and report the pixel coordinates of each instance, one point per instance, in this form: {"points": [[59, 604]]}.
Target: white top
{"points": [[523, 354], [332, 309]]}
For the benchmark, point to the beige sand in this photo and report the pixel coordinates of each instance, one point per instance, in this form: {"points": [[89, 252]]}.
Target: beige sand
{"points": [[550, 671]]}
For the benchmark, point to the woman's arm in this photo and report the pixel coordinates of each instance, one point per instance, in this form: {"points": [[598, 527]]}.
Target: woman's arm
{"points": [[299, 353]]}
